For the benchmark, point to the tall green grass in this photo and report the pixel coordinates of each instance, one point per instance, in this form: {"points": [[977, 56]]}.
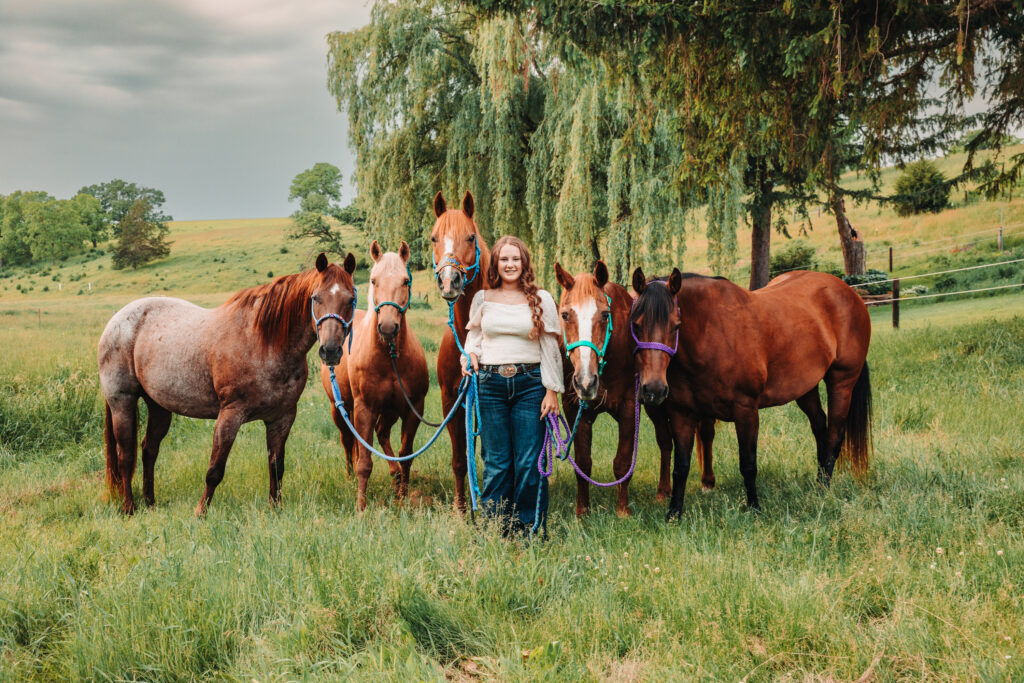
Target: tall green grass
{"points": [[914, 572]]}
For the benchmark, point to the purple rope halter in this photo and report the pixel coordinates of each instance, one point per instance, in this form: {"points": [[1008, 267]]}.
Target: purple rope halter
{"points": [[652, 346]]}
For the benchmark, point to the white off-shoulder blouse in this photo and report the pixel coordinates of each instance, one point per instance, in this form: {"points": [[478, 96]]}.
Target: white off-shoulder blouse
{"points": [[500, 333]]}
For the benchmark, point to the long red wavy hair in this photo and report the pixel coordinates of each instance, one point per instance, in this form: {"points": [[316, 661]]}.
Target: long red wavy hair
{"points": [[526, 279]]}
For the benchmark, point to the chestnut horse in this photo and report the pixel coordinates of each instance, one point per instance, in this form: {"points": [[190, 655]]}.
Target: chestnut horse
{"points": [[730, 352], [460, 258], [595, 322], [367, 380], [180, 358]]}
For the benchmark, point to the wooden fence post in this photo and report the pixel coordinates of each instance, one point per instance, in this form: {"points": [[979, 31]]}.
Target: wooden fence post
{"points": [[896, 304], [890, 259], [1000, 238]]}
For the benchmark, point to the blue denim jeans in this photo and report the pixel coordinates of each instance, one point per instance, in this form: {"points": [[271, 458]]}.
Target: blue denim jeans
{"points": [[512, 434]]}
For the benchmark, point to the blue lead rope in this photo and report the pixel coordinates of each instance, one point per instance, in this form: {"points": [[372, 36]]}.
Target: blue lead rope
{"points": [[463, 389], [472, 405]]}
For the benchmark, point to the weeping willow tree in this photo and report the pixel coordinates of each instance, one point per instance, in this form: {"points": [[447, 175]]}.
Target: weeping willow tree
{"points": [[556, 147]]}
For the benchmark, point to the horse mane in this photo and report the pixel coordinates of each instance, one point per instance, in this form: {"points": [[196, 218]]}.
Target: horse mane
{"points": [[283, 303], [585, 287]]}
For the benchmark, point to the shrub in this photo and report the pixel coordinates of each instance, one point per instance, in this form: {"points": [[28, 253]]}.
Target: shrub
{"points": [[797, 255], [921, 187], [874, 281]]}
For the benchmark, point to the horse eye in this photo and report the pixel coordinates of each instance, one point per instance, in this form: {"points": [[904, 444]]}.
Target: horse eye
{"points": [[471, 238], [373, 282], [433, 239], [316, 298], [565, 316], [604, 315], [405, 282]]}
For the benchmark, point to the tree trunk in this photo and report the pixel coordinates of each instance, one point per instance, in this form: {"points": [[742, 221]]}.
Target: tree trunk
{"points": [[854, 261], [761, 219]]}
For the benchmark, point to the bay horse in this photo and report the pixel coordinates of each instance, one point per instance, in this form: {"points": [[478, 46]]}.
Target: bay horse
{"points": [[460, 258], [730, 352], [243, 361], [366, 378], [595, 323]]}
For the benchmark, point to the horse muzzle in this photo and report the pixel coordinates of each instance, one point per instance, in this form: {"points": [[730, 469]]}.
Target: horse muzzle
{"points": [[450, 283], [330, 354], [586, 386], [388, 330], [653, 393]]}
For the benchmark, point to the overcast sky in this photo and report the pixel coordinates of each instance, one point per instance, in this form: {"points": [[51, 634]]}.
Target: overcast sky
{"points": [[218, 103]]}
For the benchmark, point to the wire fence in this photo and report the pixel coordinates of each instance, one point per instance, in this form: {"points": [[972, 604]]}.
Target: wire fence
{"points": [[940, 272]]}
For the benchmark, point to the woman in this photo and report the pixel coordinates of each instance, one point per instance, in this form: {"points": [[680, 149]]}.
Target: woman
{"points": [[513, 347]]}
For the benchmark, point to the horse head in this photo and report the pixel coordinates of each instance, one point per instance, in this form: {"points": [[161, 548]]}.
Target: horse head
{"points": [[456, 244], [390, 288], [654, 325], [586, 326], [333, 303]]}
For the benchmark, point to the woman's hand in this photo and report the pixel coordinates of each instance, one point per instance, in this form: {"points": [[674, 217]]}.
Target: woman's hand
{"points": [[476, 365], [549, 406]]}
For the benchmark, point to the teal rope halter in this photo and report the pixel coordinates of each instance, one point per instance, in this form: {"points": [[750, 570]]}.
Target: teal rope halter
{"points": [[408, 298], [601, 360], [345, 324]]}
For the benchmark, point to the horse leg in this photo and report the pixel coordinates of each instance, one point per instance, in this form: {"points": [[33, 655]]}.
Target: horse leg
{"points": [[663, 435], [683, 432], [705, 439], [747, 426], [840, 393], [347, 440], [623, 458], [277, 434], [364, 421], [410, 425], [457, 433], [124, 414], [156, 429], [582, 447], [810, 403], [384, 425], [224, 433]]}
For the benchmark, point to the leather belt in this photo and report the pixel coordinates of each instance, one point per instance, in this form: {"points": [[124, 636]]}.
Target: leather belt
{"points": [[510, 369]]}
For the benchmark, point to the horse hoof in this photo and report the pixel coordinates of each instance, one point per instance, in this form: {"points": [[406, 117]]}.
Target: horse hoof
{"points": [[707, 487], [662, 495], [673, 515], [582, 512], [624, 513], [201, 510]]}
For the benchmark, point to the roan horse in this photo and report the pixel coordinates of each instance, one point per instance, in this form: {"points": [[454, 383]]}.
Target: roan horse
{"points": [[366, 377], [243, 361], [738, 351], [595, 322], [459, 256]]}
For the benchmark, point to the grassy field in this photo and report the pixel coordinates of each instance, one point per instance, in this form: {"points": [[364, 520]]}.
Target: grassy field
{"points": [[915, 572]]}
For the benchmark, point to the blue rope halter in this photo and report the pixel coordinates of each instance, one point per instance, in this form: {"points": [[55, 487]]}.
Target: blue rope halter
{"points": [[345, 324], [455, 263], [408, 297], [601, 360]]}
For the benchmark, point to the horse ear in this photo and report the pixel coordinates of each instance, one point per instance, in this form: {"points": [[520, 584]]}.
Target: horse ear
{"points": [[601, 274], [467, 204], [439, 205], [403, 251], [639, 281], [675, 281], [350, 263], [375, 251], [321, 262], [564, 279]]}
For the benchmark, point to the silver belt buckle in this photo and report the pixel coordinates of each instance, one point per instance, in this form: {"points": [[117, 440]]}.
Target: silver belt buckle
{"points": [[507, 370]]}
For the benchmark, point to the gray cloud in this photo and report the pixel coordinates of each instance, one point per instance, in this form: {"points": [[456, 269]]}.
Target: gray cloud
{"points": [[217, 104]]}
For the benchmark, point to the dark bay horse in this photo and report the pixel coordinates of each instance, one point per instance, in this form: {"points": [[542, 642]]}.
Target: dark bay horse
{"points": [[595, 321], [460, 258], [243, 361], [738, 351], [367, 381]]}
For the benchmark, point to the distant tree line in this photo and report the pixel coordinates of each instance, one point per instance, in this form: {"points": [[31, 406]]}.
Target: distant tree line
{"points": [[35, 226], [600, 129]]}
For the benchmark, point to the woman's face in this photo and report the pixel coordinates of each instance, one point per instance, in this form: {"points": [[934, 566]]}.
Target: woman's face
{"points": [[510, 264]]}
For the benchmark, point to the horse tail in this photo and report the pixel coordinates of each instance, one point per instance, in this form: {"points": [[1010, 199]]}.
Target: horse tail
{"points": [[113, 473], [857, 444]]}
